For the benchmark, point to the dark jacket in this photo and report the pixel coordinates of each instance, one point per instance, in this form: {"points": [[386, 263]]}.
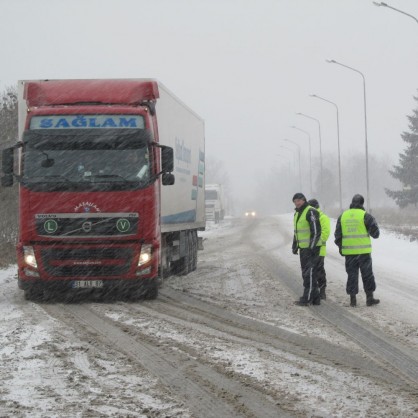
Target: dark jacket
{"points": [[369, 222], [312, 217]]}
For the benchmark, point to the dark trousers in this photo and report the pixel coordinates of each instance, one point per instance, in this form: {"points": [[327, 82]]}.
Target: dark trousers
{"points": [[308, 262], [354, 263], [321, 276]]}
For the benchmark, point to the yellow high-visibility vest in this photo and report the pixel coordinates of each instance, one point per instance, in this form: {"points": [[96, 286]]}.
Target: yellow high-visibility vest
{"points": [[325, 231], [302, 229], [356, 240]]}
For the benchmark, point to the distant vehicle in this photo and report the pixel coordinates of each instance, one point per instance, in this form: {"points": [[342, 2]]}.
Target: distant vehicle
{"points": [[214, 202], [250, 214], [99, 208]]}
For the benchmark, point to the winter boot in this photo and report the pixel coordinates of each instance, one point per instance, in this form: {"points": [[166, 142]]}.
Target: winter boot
{"points": [[353, 300], [301, 302], [370, 300], [322, 293]]}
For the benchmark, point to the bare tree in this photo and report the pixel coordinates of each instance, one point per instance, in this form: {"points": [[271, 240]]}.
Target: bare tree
{"points": [[216, 172]]}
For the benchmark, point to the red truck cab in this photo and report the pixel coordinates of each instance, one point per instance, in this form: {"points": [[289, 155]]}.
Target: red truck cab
{"points": [[90, 173]]}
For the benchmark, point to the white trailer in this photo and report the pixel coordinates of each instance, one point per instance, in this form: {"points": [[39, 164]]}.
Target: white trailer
{"points": [[183, 204]]}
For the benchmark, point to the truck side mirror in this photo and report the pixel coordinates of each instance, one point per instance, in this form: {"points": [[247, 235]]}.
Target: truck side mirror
{"points": [[8, 160], [167, 159], [7, 180], [7, 163], [167, 179]]}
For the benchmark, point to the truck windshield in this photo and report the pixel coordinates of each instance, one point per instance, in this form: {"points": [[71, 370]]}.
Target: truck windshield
{"points": [[211, 194], [86, 161]]}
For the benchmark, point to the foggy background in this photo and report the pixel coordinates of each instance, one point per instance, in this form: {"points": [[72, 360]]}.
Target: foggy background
{"points": [[246, 67]]}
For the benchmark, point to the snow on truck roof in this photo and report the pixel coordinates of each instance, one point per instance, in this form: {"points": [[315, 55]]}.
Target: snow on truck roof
{"points": [[113, 91]]}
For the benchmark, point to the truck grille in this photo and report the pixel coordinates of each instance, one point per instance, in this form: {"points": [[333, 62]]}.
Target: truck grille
{"points": [[86, 262], [86, 225]]}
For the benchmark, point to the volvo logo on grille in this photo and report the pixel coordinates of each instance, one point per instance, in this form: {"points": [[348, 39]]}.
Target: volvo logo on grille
{"points": [[86, 226]]}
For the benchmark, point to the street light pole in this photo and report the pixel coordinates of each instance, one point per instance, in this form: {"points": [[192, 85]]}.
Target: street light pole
{"points": [[365, 128], [338, 143], [300, 171], [310, 154], [381, 4], [320, 149]]}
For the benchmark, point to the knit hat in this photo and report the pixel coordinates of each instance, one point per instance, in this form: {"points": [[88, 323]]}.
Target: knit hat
{"points": [[358, 199], [314, 203], [299, 196]]}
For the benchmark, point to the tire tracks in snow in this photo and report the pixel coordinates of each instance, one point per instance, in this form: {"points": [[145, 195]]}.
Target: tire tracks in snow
{"points": [[205, 390], [256, 333], [381, 348]]}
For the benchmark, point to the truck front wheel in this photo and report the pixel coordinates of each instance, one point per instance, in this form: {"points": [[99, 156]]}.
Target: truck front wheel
{"points": [[34, 293], [152, 292]]}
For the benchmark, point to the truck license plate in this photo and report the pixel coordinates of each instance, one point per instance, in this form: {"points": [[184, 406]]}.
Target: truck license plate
{"points": [[83, 284]]}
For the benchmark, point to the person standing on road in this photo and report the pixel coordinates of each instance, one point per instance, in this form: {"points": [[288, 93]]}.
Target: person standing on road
{"points": [[306, 241], [325, 231], [352, 236]]}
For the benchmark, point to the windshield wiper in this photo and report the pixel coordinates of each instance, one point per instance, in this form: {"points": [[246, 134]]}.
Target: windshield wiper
{"points": [[108, 176], [53, 177]]}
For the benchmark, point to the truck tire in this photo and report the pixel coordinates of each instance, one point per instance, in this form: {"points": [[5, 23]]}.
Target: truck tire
{"points": [[152, 292], [194, 251], [34, 293], [182, 267], [189, 257]]}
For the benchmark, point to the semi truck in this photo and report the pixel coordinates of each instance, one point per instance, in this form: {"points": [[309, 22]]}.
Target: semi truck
{"points": [[111, 180], [214, 202]]}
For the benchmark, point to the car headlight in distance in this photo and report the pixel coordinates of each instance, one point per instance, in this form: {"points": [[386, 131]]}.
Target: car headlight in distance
{"points": [[29, 257], [145, 255], [253, 214]]}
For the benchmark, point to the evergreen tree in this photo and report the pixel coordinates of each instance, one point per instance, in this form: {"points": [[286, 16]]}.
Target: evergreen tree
{"points": [[8, 117], [8, 195], [407, 170]]}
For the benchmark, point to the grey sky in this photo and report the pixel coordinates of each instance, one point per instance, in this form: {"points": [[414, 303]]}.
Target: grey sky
{"points": [[245, 66]]}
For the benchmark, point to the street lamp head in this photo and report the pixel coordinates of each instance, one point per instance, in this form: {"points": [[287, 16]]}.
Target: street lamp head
{"points": [[396, 10], [313, 95], [331, 61]]}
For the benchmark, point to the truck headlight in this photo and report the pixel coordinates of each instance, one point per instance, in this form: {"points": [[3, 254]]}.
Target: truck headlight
{"points": [[29, 257], [145, 255]]}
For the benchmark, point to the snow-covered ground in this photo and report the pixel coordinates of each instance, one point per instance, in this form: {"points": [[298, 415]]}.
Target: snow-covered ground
{"points": [[51, 368]]}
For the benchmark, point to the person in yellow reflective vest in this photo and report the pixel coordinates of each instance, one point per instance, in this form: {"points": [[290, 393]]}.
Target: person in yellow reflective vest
{"points": [[306, 241], [325, 231], [352, 235]]}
